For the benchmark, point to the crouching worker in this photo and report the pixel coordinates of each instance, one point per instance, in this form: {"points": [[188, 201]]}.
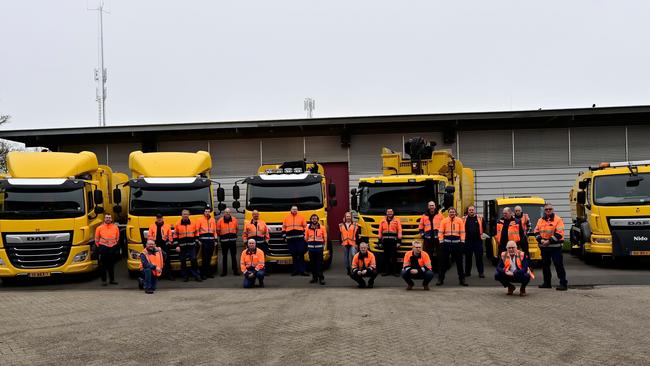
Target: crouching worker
{"points": [[417, 265], [513, 268], [364, 265], [151, 265], [252, 264]]}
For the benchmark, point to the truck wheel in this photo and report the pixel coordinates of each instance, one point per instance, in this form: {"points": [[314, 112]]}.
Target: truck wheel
{"points": [[328, 263]]}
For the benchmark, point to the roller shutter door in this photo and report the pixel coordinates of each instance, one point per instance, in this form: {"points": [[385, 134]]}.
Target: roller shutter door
{"points": [[235, 158], [365, 151], [542, 148], [486, 149], [638, 138], [325, 149], [278, 150], [118, 156], [591, 145], [183, 146]]}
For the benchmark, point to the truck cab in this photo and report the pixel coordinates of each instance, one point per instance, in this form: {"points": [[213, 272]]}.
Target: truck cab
{"points": [[51, 204], [275, 189], [610, 209], [492, 210]]}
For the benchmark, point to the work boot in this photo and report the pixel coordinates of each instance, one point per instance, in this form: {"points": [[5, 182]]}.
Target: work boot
{"points": [[294, 274], [361, 285], [440, 283], [349, 272], [148, 291], [468, 275], [425, 287], [210, 276], [562, 288], [522, 291], [409, 287], [371, 284], [322, 281], [396, 274], [463, 283], [104, 283], [198, 279], [186, 279], [481, 275], [203, 277], [545, 285], [262, 284], [511, 290], [303, 274], [313, 280]]}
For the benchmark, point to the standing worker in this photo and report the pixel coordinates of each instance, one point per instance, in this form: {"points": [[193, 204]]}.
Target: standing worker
{"points": [[474, 236], [549, 232], [429, 226], [349, 239], [107, 235], [513, 268], [252, 264], [452, 241], [417, 264], [390, 237], [364, 265], [256, 229], [509, 229], [227, 233], [316, 238], [185, 238], [524, 221], [161, 234], [293, 232], [151, 265], [207, 231]]}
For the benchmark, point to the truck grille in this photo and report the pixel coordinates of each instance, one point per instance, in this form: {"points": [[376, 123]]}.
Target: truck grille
{"points": [[277, 246], [25, 251], [630, 235]]}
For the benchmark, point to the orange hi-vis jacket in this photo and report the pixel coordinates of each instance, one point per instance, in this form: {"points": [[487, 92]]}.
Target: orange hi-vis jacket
{"points": [[550, 228], [255, 260], [423, 261], [513, 231], [165, 230], [156, 259], [368, 262], [348, 234], [518, 263], [107, 235], [392, 230], [479, 218], [227, 231], [185, 234], [294, 226], [316, 237], [426, 228], [452, 231], [258, 231], [206, 227], [525, 222]]}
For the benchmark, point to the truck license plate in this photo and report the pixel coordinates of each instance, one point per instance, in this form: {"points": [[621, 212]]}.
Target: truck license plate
{"points": [[284, 262], [39, 274], [640, 252]]}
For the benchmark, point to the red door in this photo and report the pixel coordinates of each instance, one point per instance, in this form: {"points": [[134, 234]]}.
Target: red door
{"points": [[338, 174]]}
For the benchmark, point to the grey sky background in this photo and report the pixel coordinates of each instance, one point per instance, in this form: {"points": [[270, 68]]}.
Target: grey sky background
{"points": [[188, 61]]}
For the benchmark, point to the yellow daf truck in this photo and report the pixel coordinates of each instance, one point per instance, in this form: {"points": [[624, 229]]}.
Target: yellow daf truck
{"points": [[52, 202], [275, 189], [533, 206], [406, 186], [610, 208], [165, 183]]}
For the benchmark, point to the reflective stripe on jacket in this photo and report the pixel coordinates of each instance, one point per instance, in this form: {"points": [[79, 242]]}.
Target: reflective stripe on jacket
{"points": [[107, 235], [165, 231], [256, 230], [513, 230], [206, 227], [550, 228], [452, 230], [255, 260], [316, 237], [184, 231], [425, 226], [294, 226], [392, 230]]}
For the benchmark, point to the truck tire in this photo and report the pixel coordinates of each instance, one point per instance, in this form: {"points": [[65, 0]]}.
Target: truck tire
{"points": [[328, 263]]}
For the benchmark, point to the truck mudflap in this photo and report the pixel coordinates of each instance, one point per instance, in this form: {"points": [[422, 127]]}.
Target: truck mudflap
{"points": [[627, 242]]}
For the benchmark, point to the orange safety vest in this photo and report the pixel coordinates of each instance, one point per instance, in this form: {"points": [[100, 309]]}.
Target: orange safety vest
{"points": [[425, 223], [184, 231], [156, 259], [206, 227], [513, 231], [107, 235], [349, 234], [165, 230], [255, 259], [525, 222], [259, 230], [546, 228], [449, 227], [390, 231], [423, 261], [225, 228], [315, 237], [367, 262], [480, 223], [519, 258], [293, 223]]}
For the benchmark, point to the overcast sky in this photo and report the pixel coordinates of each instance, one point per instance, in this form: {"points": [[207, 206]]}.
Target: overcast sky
{"points": [[184, 61]]}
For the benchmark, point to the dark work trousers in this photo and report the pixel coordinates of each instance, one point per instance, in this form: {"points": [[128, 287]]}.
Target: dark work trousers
{"points": [[456, 252], [425, 276], [553, 254], [390, 255], [316, 263], [229, 246], [474, 248], [430, 246], [167, 269], [371, 275], [523, 245], [297, 250], [207, 250], [518, 277], [106, 261], [149, 279], [188, 252], [261, 244]]}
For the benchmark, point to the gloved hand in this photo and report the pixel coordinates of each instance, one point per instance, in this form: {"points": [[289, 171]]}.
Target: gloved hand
{"points": [[485, 236]]}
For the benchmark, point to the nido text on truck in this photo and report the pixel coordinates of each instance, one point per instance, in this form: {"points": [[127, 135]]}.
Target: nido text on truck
{"points": [[166, 183], [51, 204], [275, 189], [406, 186], [610, 208]]}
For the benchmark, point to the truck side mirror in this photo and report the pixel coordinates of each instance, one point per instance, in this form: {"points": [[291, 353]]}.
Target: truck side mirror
{"points": [[98, 197], [235, 192], [583, 184], [117, 195], [99, 210], [353, 192], [581, 197], [333, 202], [448, 200], [221, 194], [332, 189], [117, 209], [354, 203]]}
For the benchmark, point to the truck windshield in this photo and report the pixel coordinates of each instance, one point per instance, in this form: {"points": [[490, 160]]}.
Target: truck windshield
{"points": [[150, 201], [534, 211], [277, 197], [622, 190], [41, 203], [403, 198]]}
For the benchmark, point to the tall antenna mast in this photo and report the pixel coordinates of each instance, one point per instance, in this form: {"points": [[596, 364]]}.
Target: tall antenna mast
{"points": [[310, 106], [100, 71]]}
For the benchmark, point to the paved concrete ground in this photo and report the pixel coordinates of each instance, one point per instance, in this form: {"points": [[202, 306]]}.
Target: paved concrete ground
{"points": [[328, 326]]}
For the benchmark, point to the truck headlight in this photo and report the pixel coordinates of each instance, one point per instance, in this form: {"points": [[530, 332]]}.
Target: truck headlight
{"points": [[134, 254], [80, 257], [601, 239]]}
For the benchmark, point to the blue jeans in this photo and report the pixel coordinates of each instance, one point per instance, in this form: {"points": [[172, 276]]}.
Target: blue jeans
{"points": [[408, 277], [348, 254], [150, 279], [518, 277], [250, 282]]}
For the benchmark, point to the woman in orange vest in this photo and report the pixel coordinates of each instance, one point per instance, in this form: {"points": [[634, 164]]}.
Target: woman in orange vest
{"points": [[349, 239], [107, 236], [316, 237], [151, 265]]}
